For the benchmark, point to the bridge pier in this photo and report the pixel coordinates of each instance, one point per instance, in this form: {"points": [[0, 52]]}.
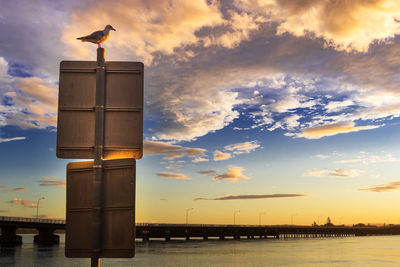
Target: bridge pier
{"points": [[9, 236], [46, 236]]}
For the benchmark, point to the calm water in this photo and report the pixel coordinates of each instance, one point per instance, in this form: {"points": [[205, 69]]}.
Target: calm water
{"points": [[347, 251]]}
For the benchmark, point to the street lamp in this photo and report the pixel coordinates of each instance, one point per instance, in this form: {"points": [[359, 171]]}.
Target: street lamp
{"points": [[292, 218], [259, 217], [234, 216], [187, 215], [37, 207]]}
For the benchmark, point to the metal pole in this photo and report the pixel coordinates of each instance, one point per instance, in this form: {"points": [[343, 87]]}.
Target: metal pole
{"points": [[234, 216], [37, 207], [259, 217], [98, 159], [291, 222], [187, 215]]}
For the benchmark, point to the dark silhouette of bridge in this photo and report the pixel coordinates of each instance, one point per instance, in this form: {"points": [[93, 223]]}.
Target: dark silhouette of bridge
{"points": [[45, 227], [147, 231]]}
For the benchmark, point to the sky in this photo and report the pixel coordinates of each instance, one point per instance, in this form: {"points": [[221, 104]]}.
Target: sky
{"points": [[258, 111]]}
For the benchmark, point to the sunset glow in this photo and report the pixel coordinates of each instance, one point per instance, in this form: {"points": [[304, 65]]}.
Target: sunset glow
{"points": [[282, 107]]}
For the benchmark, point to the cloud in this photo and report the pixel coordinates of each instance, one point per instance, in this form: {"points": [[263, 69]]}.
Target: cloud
{"points": [[203, 57], [171, 175], [173, 166], [2, 186], [32, 103], [165, 199], [344, 25], [366, 159], [15, 190], [207, 173], [318, 132], [4, 140], [29, 44], [331, 173], [22, 202], [49, 181], [218, 155], [232, 174], [245, 147], [193, 152], [246, 197], [143, 27], [383, 187], [200, 159], [170, 151]]}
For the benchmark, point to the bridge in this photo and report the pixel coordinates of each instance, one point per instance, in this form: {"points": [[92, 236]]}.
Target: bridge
{"points": [[45, 227], [147, 231]]}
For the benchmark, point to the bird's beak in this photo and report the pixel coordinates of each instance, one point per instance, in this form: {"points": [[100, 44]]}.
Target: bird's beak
{"points": [[113, 29]]}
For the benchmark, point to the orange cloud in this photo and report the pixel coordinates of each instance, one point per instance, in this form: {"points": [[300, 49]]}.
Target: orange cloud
{"points": [[171, 175], [173, 166], [383, 187], [170, 151], [143, 27], [218, 155], [53, 182], [333, 129], [15, 190], [246, 197], [23, 202], [232, 174], [344, 25]]}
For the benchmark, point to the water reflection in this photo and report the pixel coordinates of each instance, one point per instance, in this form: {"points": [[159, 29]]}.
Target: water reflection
{"points": [[346, 251]]}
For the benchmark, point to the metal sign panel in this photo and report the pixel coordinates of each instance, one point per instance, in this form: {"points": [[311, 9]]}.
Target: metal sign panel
{"points": [[123, 110], [118, 211]]}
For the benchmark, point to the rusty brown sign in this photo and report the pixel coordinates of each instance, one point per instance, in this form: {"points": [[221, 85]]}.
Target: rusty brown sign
{"points": [[117, 211], [123, 110]]}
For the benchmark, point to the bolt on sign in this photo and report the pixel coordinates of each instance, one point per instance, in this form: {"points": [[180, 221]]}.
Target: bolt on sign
{"points": [[118, 218], [123, 110]]}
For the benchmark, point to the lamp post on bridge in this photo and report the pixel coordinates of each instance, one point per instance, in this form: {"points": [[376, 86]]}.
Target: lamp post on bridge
{"points": [[259, 217], [234, 216], [187, 215], [37, 207], [291, 221]]}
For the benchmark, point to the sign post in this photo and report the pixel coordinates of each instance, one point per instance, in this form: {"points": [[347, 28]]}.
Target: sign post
{"points": [[100, 116]]}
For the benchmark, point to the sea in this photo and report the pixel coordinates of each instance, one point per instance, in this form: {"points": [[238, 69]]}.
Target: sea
{"points": [[344, 251]]}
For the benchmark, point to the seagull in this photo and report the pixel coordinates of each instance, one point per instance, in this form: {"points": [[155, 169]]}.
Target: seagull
{"points": [[98, 37]]}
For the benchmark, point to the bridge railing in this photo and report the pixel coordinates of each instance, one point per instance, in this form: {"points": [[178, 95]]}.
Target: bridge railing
{"points": [[33, 220]]}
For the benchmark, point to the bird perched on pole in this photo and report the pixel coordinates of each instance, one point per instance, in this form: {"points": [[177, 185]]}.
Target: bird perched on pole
{"points": [[98, 37]]}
